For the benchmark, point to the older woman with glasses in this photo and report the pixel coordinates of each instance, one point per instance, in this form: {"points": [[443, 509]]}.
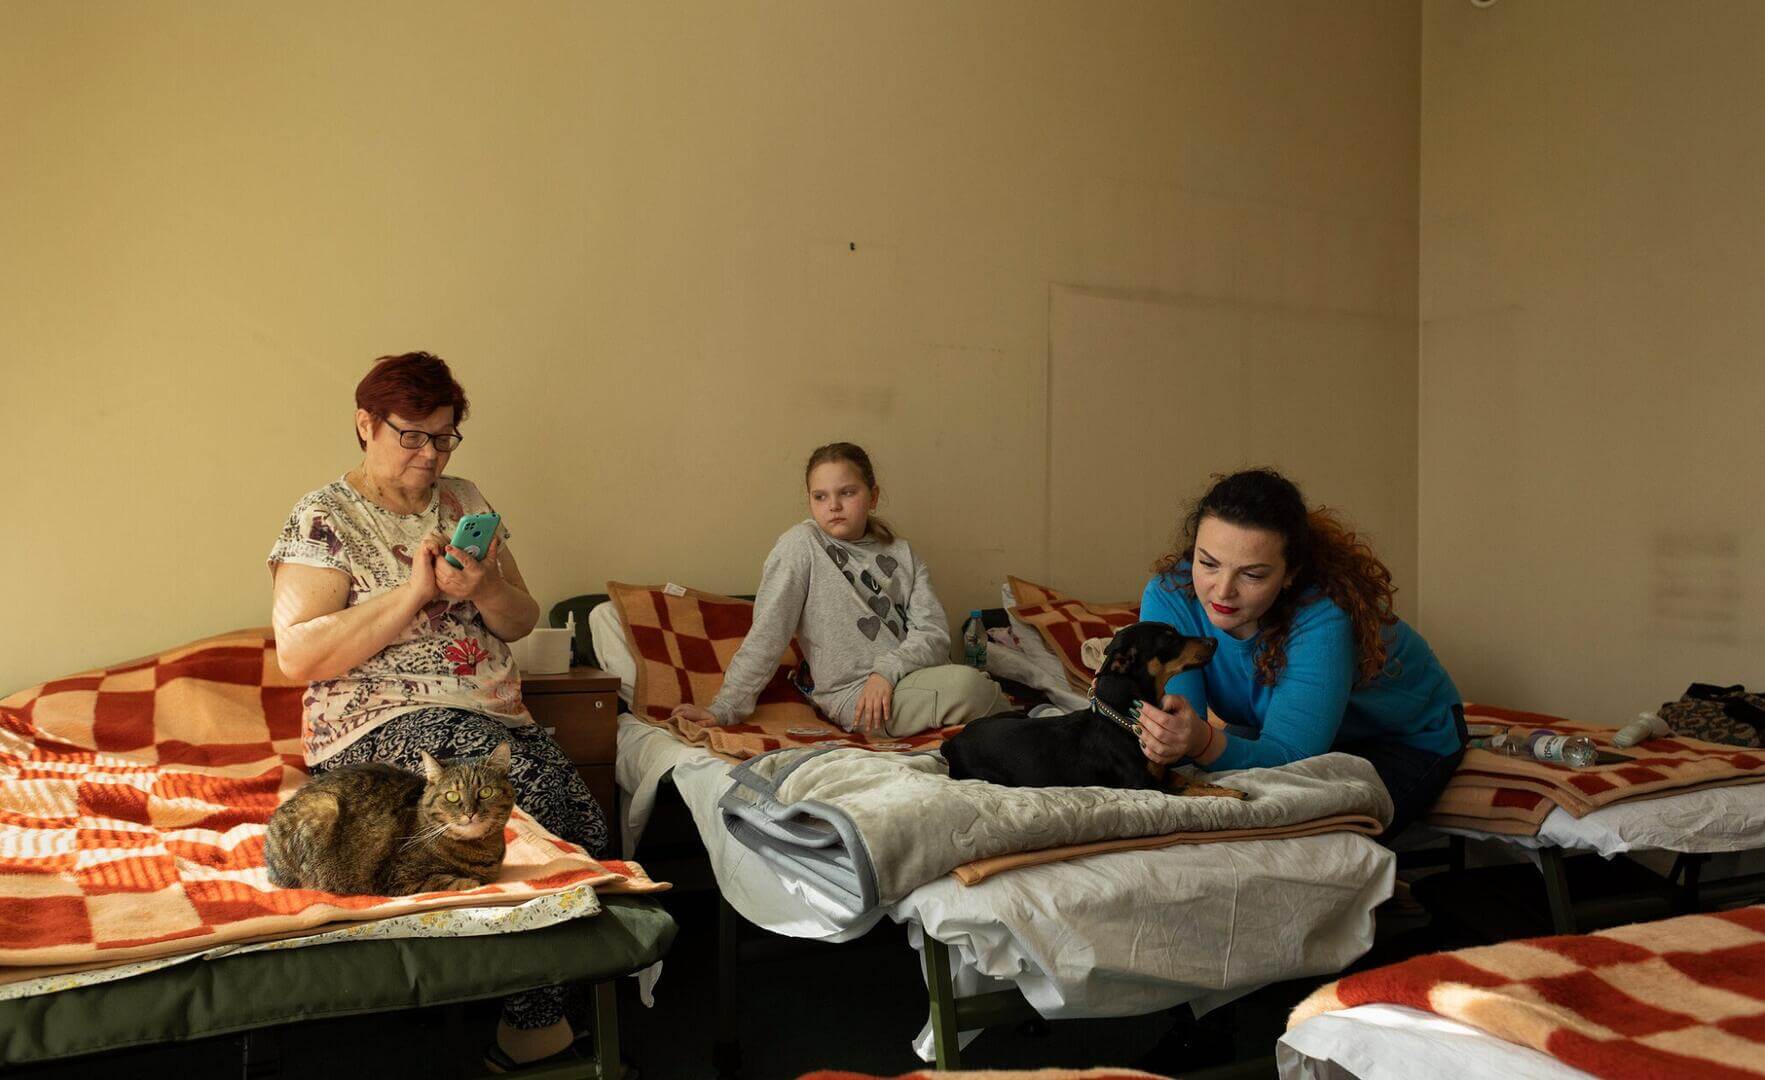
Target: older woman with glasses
{"points": [[407, 652]]}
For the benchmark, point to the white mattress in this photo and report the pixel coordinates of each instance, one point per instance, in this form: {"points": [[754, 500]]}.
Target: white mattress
{"points": [[1392, 1042], [1117, 934], [1723, 819]]}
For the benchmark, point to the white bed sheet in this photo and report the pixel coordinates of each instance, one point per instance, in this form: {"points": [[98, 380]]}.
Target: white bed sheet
{"points": [[1118, 934], [1710, 821], [1392, 1042]]}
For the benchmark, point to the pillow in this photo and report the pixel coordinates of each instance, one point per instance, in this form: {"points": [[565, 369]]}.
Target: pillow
{"points": [[1063, 623], [606, 632], [1005, 661], [1029, 641], [682, 641], [1022, 657]]}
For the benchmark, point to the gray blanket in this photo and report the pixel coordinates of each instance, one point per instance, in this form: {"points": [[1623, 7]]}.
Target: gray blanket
{"points": [[865, 828]]}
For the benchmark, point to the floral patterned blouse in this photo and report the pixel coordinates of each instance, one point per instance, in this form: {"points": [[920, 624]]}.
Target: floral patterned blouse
{"points": [[445, 657]]}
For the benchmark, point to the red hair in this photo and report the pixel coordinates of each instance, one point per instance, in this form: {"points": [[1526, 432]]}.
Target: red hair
{"points": [[413, 385], [1344, 568]]}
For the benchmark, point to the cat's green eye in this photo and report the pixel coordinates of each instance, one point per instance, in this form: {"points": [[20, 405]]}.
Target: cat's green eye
{"points": [[485, 793], [453, 796]]}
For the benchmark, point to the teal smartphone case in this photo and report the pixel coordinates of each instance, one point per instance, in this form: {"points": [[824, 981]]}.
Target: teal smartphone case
{"points": [[473, 535]]}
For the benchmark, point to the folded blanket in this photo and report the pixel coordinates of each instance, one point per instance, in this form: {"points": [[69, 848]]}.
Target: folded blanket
{"points": [[767, 731], [133, 802], [867, 829], [1673, 999], [1494, 793], [981, 869]]}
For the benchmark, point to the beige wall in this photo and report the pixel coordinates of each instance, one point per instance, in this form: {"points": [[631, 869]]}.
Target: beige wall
{"points": [[671, 250], [1592, 399]]}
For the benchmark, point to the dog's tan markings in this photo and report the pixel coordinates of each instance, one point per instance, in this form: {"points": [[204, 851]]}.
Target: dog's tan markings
{"points": [[1193, 654], [1183, 785]]}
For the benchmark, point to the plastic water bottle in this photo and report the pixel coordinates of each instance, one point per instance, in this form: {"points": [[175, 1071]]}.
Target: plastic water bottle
{"points": [[974, 642], [1575, 751], [1502, 743]]}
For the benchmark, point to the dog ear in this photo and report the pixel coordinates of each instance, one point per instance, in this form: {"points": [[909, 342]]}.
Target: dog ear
{"points": [[1126, 654]]}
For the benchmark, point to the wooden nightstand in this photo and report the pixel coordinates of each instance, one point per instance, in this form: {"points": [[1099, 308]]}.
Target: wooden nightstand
{"points": [[582, 708]]}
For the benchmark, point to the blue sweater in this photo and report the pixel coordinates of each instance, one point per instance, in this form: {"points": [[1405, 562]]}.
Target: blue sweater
{"points": [[1315, 705]]}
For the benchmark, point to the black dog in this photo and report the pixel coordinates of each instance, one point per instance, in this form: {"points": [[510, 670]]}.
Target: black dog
{"points": [[1095, 747]]}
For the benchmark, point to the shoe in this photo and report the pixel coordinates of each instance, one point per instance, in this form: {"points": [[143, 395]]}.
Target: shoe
{"points": [[1402, 905]]}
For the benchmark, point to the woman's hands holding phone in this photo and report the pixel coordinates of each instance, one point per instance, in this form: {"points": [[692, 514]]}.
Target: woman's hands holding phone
{"points": [[432, 575], [473, 576]]}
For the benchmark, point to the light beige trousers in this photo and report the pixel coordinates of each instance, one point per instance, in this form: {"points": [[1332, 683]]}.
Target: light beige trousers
{"points": [[936, 697]]}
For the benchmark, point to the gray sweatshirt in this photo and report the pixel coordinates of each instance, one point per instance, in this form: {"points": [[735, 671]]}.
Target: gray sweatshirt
{"points": [[856, 607]]}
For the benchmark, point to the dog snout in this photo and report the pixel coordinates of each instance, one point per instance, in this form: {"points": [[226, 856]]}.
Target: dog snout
{"points": [[1197, 651]]}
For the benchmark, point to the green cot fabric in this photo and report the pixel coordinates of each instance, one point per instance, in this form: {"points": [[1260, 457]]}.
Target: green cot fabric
{"points": [[202, 998]]}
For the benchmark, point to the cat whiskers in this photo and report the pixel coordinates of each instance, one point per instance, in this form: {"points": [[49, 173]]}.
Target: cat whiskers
{"points": [[423, 837]]}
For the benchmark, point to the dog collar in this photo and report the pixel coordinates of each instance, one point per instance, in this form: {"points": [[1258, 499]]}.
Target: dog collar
{"points": [[1103, 709]]}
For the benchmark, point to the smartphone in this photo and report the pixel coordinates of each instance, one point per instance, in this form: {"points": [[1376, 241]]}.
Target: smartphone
{"points": [[473, 535]]}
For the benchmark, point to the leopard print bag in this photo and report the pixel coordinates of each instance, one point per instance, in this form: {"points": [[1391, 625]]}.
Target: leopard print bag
{"points": [[1718, 714]]}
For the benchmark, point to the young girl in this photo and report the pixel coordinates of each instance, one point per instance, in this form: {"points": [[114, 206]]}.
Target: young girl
{"points": [[1310, 657], [860, 603]]}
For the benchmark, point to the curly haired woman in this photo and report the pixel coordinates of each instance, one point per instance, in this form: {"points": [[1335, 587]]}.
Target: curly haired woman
{"points": [[1310, 657]]}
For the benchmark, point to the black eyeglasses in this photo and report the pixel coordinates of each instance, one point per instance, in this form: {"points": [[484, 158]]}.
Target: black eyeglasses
{"points": [[416, 440]]}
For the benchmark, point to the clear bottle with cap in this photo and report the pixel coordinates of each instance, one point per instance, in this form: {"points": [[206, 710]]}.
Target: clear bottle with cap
{"points": [[1544, 744], [1502, 742], [974, 642], [1575, 751]]}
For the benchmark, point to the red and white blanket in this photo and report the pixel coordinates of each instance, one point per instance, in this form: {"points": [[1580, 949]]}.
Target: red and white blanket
{"points": [[1512, 796], [1677, 999], [1066, 623], [683, 641], [133, 803]]}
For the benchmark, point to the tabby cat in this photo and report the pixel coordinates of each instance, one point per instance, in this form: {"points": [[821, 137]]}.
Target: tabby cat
{"points": [[380, 830]]}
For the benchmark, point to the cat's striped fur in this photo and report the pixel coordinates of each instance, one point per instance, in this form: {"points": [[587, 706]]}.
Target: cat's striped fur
{"points": [[380, 830]]}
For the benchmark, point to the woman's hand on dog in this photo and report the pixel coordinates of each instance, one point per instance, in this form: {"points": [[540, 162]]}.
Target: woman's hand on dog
{"points": [[1173, 732], [874, 702]]}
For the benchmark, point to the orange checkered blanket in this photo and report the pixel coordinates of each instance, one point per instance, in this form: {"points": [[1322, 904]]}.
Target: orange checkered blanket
{"points": [[1673, 999], [1066, 624], [1512, 796], [133, 803], [683, 641]]}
